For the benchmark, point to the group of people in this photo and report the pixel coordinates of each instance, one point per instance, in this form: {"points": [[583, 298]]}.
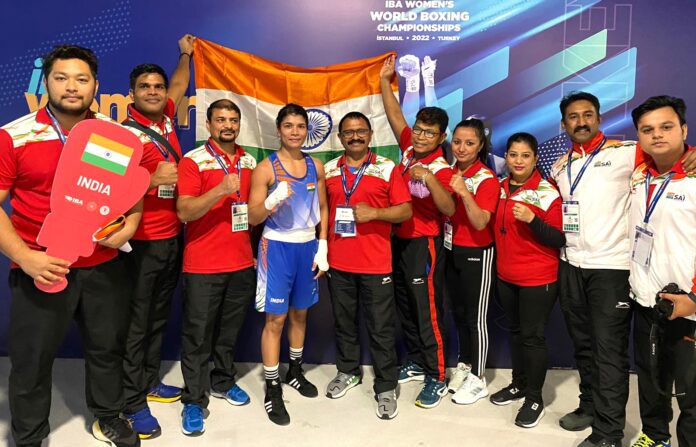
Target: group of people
{"points": [[391, 237]]}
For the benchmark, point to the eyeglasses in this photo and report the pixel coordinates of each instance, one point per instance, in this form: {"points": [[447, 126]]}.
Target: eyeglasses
{"points": [[350, 133], [428, 133]]}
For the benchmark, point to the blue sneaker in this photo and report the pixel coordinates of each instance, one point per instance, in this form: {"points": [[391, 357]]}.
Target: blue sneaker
{"points": [[164, 393], [235, 395], [144, 423], [411, 371], [192, 420], [432, 393]]}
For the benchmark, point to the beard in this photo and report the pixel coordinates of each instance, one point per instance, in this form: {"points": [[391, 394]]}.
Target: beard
{"points": [[227, 138], [75, 110]]}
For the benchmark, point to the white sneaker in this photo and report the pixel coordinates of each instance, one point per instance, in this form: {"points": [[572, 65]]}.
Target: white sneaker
{"points": [[459, 375], [471, 390]]}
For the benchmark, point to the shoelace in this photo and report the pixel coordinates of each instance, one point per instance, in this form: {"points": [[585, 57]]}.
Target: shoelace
{"points": [[644, 441], [116, 428], [431, 388], [193, 412]]}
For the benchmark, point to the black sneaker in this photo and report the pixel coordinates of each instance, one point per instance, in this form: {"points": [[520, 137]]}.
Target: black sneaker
{"points": [[576, 420], [296, 379], [116, 431], [595, 440], [273, 401], [507, 395], [530, 414]]}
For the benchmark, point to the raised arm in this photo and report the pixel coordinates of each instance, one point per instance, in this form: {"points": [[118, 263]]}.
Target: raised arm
{"points": [[391, 105], [182, 74]]}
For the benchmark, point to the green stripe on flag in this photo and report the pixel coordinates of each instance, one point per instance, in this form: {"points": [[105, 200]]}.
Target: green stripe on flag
{"points": [[392, 152], [104, 164]]}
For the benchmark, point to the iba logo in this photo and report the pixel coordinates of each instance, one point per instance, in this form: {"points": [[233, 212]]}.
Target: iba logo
{"points": [[113, 105]]}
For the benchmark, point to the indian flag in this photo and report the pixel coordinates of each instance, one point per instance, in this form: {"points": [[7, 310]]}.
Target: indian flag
{"points": [[107, 154], [260, 88]]}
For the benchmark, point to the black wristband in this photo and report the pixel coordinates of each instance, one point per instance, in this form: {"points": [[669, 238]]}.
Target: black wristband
{"points": [[692, 295], [188, 54]]}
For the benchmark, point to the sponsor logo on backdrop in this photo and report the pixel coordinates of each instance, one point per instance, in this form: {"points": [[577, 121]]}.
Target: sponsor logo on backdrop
{"points": [[419, 20]]}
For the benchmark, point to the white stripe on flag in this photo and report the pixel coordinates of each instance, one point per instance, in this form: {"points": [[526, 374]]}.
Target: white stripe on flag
{"points": [[258, 119], [106, 154]]}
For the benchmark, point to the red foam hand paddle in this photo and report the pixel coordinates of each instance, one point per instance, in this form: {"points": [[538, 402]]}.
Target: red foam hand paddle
{"points": [[98, 178]]}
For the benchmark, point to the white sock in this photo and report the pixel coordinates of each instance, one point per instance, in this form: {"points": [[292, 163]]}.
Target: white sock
{"points": [[296, 353], [271, 372]]}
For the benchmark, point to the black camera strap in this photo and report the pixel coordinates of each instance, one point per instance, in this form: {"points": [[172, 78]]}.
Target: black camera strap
{"points": [[152, 134]]}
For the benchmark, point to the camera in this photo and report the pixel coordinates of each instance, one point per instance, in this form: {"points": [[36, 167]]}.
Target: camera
{"points": [[663, 307]]}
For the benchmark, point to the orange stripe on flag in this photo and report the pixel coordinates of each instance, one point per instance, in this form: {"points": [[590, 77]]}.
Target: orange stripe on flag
{"points": [[111, 145], [220, 68]]}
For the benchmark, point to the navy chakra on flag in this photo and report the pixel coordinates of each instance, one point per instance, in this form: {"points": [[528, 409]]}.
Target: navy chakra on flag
{"points": [[318, 128]]}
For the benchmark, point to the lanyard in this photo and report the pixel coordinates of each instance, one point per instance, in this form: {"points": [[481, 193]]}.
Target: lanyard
{"points": [[163, 151], [651, 204], [358, 176], [224, 166], [56, 126], [584, 166], [408, 163]]}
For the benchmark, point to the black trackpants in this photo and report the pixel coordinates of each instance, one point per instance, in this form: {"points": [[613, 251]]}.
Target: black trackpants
{"points": [[214, 310], [597, 309], [677, 356], [418, 289], [375, 294], [470, 274], [97, 297], [528, 310], [153, 267]]}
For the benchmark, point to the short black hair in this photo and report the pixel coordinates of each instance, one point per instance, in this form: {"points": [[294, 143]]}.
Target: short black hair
{"points": [[70, 52], [480, 129], [225, 104], [433, 115], [523, 137], [291, 109], [658, 102], [578, 96], [147, 69], [354, 116]]}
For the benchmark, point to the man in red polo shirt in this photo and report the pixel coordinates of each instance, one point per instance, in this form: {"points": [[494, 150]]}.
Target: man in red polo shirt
{"points": [[219, 274], [155, 261], [96, 294], [366, 196], [418, 250]]}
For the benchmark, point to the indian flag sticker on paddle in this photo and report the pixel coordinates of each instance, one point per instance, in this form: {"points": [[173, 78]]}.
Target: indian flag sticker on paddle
{"points": [[107, 154]]}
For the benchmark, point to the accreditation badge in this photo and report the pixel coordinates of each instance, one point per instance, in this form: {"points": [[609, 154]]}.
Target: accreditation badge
{"points": [[448, 235], [642, 246], [571, 216], [345, 221], [240, 216], [166, 191]]}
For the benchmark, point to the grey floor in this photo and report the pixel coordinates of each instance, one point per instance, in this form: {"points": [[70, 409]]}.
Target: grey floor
{"points": [[349, 421]]}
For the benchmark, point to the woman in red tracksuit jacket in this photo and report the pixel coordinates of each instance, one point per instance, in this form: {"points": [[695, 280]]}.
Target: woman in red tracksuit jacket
{"points": [[528, 237]]}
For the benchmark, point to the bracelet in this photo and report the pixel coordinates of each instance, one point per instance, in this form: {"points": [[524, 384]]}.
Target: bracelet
{"points": [[692, 296], [187, 54], [427, 173]]}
